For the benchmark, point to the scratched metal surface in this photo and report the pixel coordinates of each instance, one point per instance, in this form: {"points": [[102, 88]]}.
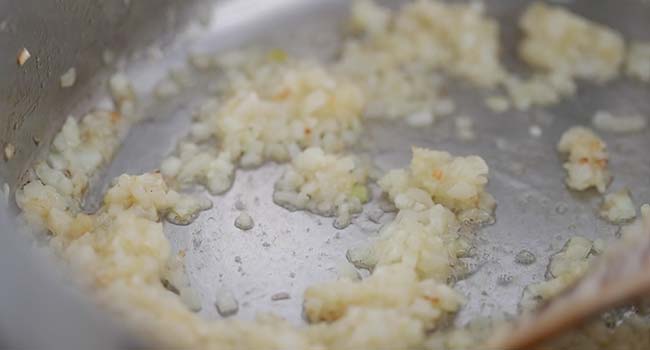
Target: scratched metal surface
{"points": [[288, 251]]}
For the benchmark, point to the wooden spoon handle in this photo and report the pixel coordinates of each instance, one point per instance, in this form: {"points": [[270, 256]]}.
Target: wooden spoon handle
{"points": [[621, 275]]}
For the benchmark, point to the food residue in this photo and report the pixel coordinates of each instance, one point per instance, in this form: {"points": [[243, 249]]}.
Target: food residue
{"points": [[23, 56], [9, 151], [244, 221], [68, 78]]}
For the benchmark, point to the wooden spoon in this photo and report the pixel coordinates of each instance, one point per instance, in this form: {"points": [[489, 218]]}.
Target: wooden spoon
{"points": [[619, 276]]}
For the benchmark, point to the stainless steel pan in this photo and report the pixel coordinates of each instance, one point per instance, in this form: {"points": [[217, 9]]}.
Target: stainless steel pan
{"points": [[287, 251]]}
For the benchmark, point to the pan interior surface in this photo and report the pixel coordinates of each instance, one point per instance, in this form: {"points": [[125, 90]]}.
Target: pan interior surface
{"points": [[286, 252]]}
